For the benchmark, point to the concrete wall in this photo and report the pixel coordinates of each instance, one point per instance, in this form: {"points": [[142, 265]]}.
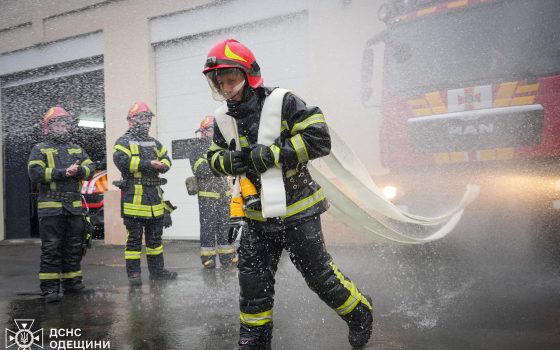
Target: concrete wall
{"points": [[338, 31]]}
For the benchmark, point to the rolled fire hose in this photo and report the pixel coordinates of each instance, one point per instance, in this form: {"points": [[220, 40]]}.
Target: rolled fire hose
{"points": [[358, 181]]}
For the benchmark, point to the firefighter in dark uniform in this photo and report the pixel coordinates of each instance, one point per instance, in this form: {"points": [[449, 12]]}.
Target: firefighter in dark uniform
{"points": [[213, 205], [234, 76], [141, 159], [59, 166]]}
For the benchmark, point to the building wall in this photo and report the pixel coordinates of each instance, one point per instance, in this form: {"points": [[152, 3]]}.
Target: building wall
{"points": [[338, 30]]}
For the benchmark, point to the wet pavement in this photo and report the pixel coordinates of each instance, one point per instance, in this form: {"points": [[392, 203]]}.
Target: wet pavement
{"points": [[458, 293]]}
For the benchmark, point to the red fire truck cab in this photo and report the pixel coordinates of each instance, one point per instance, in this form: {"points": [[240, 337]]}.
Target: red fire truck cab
{"points": [[470, 94]]}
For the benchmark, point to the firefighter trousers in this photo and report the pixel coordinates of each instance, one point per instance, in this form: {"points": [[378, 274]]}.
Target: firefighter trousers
{"points": [[214, 230], [259, 253], [61, 251], [153, 230]]}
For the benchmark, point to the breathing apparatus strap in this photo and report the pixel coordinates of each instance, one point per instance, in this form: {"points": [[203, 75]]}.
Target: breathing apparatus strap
{"points": [[273, 193]]}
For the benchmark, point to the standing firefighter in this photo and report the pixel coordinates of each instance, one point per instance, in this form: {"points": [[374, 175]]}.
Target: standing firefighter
{"points": [[59, 166], [213, 205], [141, 159], [269, 135]]}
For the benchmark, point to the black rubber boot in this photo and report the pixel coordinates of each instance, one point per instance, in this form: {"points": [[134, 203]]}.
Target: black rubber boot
{"points": [[135, 279], [255, 338], [229, 260], [163, 275], [72, 288], [360, 325], [209, 262], [51, 296], [157, 270]]}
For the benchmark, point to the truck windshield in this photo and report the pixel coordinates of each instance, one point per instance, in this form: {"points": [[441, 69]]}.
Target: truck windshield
{"points": [[506, 40]]}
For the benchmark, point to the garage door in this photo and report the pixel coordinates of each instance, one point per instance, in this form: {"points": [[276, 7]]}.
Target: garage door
{"points": [[183, 96]]}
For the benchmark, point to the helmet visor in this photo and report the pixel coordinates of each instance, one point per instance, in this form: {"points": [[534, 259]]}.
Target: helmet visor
{"points": [[225, 83]]}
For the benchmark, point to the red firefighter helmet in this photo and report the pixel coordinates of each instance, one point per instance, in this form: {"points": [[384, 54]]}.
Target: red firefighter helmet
{"points": [[230, 53], [53, 114], [206, 127], [138, 109]]}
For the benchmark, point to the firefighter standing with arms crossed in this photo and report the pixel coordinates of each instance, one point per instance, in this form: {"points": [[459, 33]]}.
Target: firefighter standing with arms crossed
{"points": [[59, 166], [141, 159], [288, 216], [213, 204]]}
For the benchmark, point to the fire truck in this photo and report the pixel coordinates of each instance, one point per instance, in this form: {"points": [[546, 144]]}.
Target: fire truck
{"points": [[470, 93], [93, 202]]}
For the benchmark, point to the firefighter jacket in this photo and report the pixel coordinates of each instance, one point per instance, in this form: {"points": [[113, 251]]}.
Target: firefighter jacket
{"points": [[304, 136], [209, 185], [142, 194], [47, 166]]}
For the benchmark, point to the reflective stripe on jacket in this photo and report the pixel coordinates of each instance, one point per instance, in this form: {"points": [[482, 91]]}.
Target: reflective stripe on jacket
{"points": [[304, 136], [209, 185], [47, 166], [132, 156]]}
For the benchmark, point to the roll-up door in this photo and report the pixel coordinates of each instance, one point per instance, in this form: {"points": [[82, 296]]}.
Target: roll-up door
{"points": [[183, 96]]}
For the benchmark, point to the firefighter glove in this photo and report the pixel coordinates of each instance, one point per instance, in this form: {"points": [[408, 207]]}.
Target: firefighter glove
{"points": [[235, 162], [261, 158]]}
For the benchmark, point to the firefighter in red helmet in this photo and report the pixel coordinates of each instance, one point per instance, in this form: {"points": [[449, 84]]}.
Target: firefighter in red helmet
{"points": [[59, 167], [213, 204], [141, 159], [269, 135]]}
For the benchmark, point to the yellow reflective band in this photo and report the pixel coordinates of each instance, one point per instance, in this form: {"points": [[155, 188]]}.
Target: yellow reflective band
{"points": [[36, 162], [284, 126], [222, 165], [314, 119], [166, 162], [134, 163], [49, 152], [198, 163], [74, 150], [215, 147], [254, 320], [161, 152], [134, 149], [143, 210], [73, 274], [46, 205], [154, 251], [122, 149], [243, 141], [355, 296], [214, 195], [292, 209], [87, 162], [138, 192], [212, 162], [207, 252], [87, 170], [276, 152], [132, 254], [299, 147], [49, 275], [226, 250], [77, 204], [48, 174]]}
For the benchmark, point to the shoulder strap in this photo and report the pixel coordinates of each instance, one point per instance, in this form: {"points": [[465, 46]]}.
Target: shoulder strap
{"points": [[227, 126], [273, 193]]}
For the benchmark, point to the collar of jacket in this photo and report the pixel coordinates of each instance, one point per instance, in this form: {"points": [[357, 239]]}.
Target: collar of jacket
{"points": [[253, 100], [138, 136]]}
